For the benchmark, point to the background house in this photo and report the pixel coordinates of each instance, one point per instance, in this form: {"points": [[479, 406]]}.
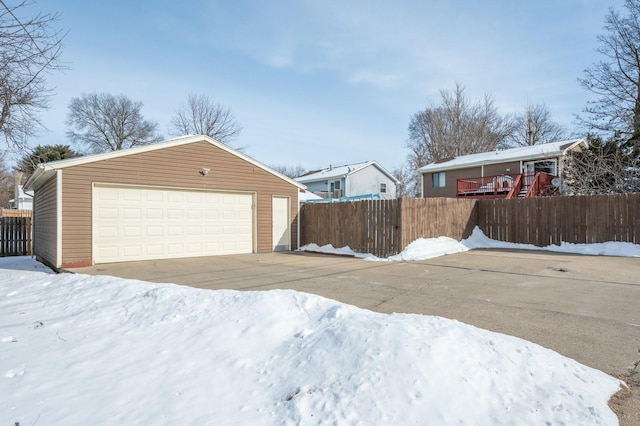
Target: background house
{"points": [[190, 196], [23, 201], [487, 172], [351, 180]]}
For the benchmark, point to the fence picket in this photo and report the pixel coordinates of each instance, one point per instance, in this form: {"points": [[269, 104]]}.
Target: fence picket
{"points": [[15, 236]]}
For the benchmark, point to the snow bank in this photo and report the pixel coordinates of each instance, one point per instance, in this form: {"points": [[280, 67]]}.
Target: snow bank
{"points": [[611, 248], [428, 248], [78, 349]]}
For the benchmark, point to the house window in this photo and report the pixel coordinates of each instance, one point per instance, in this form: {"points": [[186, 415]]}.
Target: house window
{"points": [[383, 188], [546, 166], [437, 180], [337, 185]]}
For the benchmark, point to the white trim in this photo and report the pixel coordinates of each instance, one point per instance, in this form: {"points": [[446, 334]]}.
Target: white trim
{"points": [[254, 214], [552, 160], [93, 222], [285, 197], [298, 221], [58, 218]]}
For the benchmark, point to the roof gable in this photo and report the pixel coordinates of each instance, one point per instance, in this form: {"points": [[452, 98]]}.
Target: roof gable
{"points": [[333, 172], [533, 152], [46, 170]]}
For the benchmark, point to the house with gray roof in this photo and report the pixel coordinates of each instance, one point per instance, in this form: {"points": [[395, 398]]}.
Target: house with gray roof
{"points": [[351, 181], [516, 172]]}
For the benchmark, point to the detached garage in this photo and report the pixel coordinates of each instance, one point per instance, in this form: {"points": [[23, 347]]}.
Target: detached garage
{"points": [[186, 197]]}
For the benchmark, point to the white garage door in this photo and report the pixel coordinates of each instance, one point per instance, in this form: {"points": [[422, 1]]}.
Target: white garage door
{"points": [[147, 223]]}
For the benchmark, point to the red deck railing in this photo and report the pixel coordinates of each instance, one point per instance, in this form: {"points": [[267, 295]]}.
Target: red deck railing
{"points": [[504, 186]]}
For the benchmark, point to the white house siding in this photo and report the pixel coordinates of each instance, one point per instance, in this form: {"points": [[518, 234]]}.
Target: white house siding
{"points": [[317, 186], [367, 181]]}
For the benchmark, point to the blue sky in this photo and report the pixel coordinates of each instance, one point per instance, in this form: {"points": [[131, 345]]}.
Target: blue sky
{"points": [[315, 83]]}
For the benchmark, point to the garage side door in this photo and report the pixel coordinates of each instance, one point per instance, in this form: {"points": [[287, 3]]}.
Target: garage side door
{"points": [[149, 223]]}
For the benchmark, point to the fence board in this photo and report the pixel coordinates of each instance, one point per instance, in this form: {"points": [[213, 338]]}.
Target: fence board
{"points": [[15, 236]]}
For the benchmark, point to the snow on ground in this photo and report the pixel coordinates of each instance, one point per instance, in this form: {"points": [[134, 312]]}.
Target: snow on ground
{"points": [[428, 248], [77, 349], [611, 248]]}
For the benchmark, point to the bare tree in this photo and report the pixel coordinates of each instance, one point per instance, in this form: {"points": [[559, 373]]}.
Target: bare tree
{"points": [[6, 184], [104, 122], [409, 185], [290, 171], [456, 125], [604, 168], [616, 79], [202, 116], [30, 48], [535, 127]]}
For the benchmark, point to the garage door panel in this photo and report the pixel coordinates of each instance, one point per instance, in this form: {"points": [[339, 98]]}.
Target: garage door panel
{"points": [[194, 214], [107, 213], [153, 213], [194, 230], [175, 197], [133, 250], [108, 194], [132, 195], [173, 214], [154, 249], [150, 223], [153, 231], [132, 231], [132, 213], [154, 196], [107, 232]]}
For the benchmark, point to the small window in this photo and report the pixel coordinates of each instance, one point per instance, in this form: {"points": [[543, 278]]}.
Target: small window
{"points": [[437, 180], [383, 188], [337, 185]]}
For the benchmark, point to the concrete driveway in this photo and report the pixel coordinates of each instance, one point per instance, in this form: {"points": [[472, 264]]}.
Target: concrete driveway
{"points": [[584, 307]]}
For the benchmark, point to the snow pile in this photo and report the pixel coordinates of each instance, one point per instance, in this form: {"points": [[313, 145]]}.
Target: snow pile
{"points": [[420, 249], [78, 349], [611, 248], [427, 248], [329, 249]]}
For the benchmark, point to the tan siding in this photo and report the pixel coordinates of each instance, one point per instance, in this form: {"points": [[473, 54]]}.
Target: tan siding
{"points": [[451, 177], [170, 167], [510, 168], [45, 222]]}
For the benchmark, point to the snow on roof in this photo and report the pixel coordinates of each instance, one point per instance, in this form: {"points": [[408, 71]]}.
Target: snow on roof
{"points": [[307, 195], [332, 172], [340, 171], [514, 154]]}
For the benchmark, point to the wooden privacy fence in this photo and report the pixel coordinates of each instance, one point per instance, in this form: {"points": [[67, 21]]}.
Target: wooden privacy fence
{"points": [[551, 220], [15, 236], [369, 226], [386, 227]]}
